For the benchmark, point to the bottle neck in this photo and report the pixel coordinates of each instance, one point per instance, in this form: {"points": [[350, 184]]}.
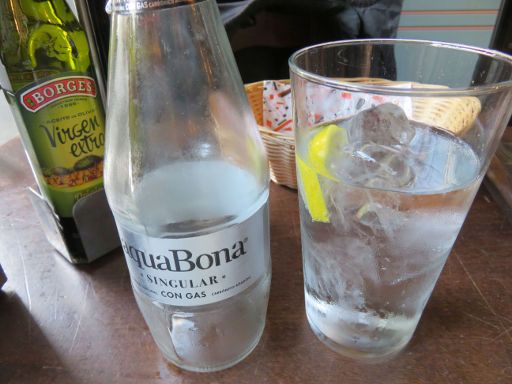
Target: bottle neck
{"points": [[39, 39], [55, 12], [146, 5]]}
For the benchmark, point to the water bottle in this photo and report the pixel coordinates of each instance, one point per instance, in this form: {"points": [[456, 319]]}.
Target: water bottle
{"points": [[187, 180]]}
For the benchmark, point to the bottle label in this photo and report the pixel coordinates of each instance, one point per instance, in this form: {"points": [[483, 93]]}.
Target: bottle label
{"points": [[198, 270], [64, 120], [136, 5]]}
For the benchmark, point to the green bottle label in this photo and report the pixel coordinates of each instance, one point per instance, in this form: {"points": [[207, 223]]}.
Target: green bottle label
{"points": [[64, 119]]}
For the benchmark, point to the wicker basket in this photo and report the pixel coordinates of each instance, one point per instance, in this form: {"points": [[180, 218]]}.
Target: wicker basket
{"points": [[455, 114], [280, 148]]}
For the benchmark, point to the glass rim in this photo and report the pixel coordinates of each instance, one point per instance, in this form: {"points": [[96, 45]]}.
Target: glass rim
{"points": [[396, 90]]}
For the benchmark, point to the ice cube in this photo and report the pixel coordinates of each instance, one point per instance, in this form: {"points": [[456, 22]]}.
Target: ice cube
{"points": [[431, 230], [385, 124], [375, 166], [379, 219], [362, 263]]}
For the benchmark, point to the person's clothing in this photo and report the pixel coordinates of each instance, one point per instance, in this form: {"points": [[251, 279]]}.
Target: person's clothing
{"points": [[264, 33]]}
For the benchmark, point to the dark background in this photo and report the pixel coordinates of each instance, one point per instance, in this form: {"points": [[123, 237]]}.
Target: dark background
{"points": [[264, 33]]}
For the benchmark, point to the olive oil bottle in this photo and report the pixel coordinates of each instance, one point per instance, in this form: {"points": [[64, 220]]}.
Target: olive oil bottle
{"points": [[48, 79]]}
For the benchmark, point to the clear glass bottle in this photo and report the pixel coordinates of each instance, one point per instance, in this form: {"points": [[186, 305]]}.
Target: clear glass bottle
{"points": [[187, 180]]}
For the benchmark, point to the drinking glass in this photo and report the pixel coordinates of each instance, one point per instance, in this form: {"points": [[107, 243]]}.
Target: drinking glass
{"points": [[393, 138]]}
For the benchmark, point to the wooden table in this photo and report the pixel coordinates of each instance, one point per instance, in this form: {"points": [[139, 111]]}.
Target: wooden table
{"points": [[61, 323]]}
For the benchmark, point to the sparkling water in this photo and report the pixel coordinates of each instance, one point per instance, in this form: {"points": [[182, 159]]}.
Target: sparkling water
{"points": [[200, 198], [394, 213]]}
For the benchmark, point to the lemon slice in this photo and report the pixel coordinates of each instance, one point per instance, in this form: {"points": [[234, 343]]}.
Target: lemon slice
{"points": [[329, 140], [323, 144], [312, 192]]}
